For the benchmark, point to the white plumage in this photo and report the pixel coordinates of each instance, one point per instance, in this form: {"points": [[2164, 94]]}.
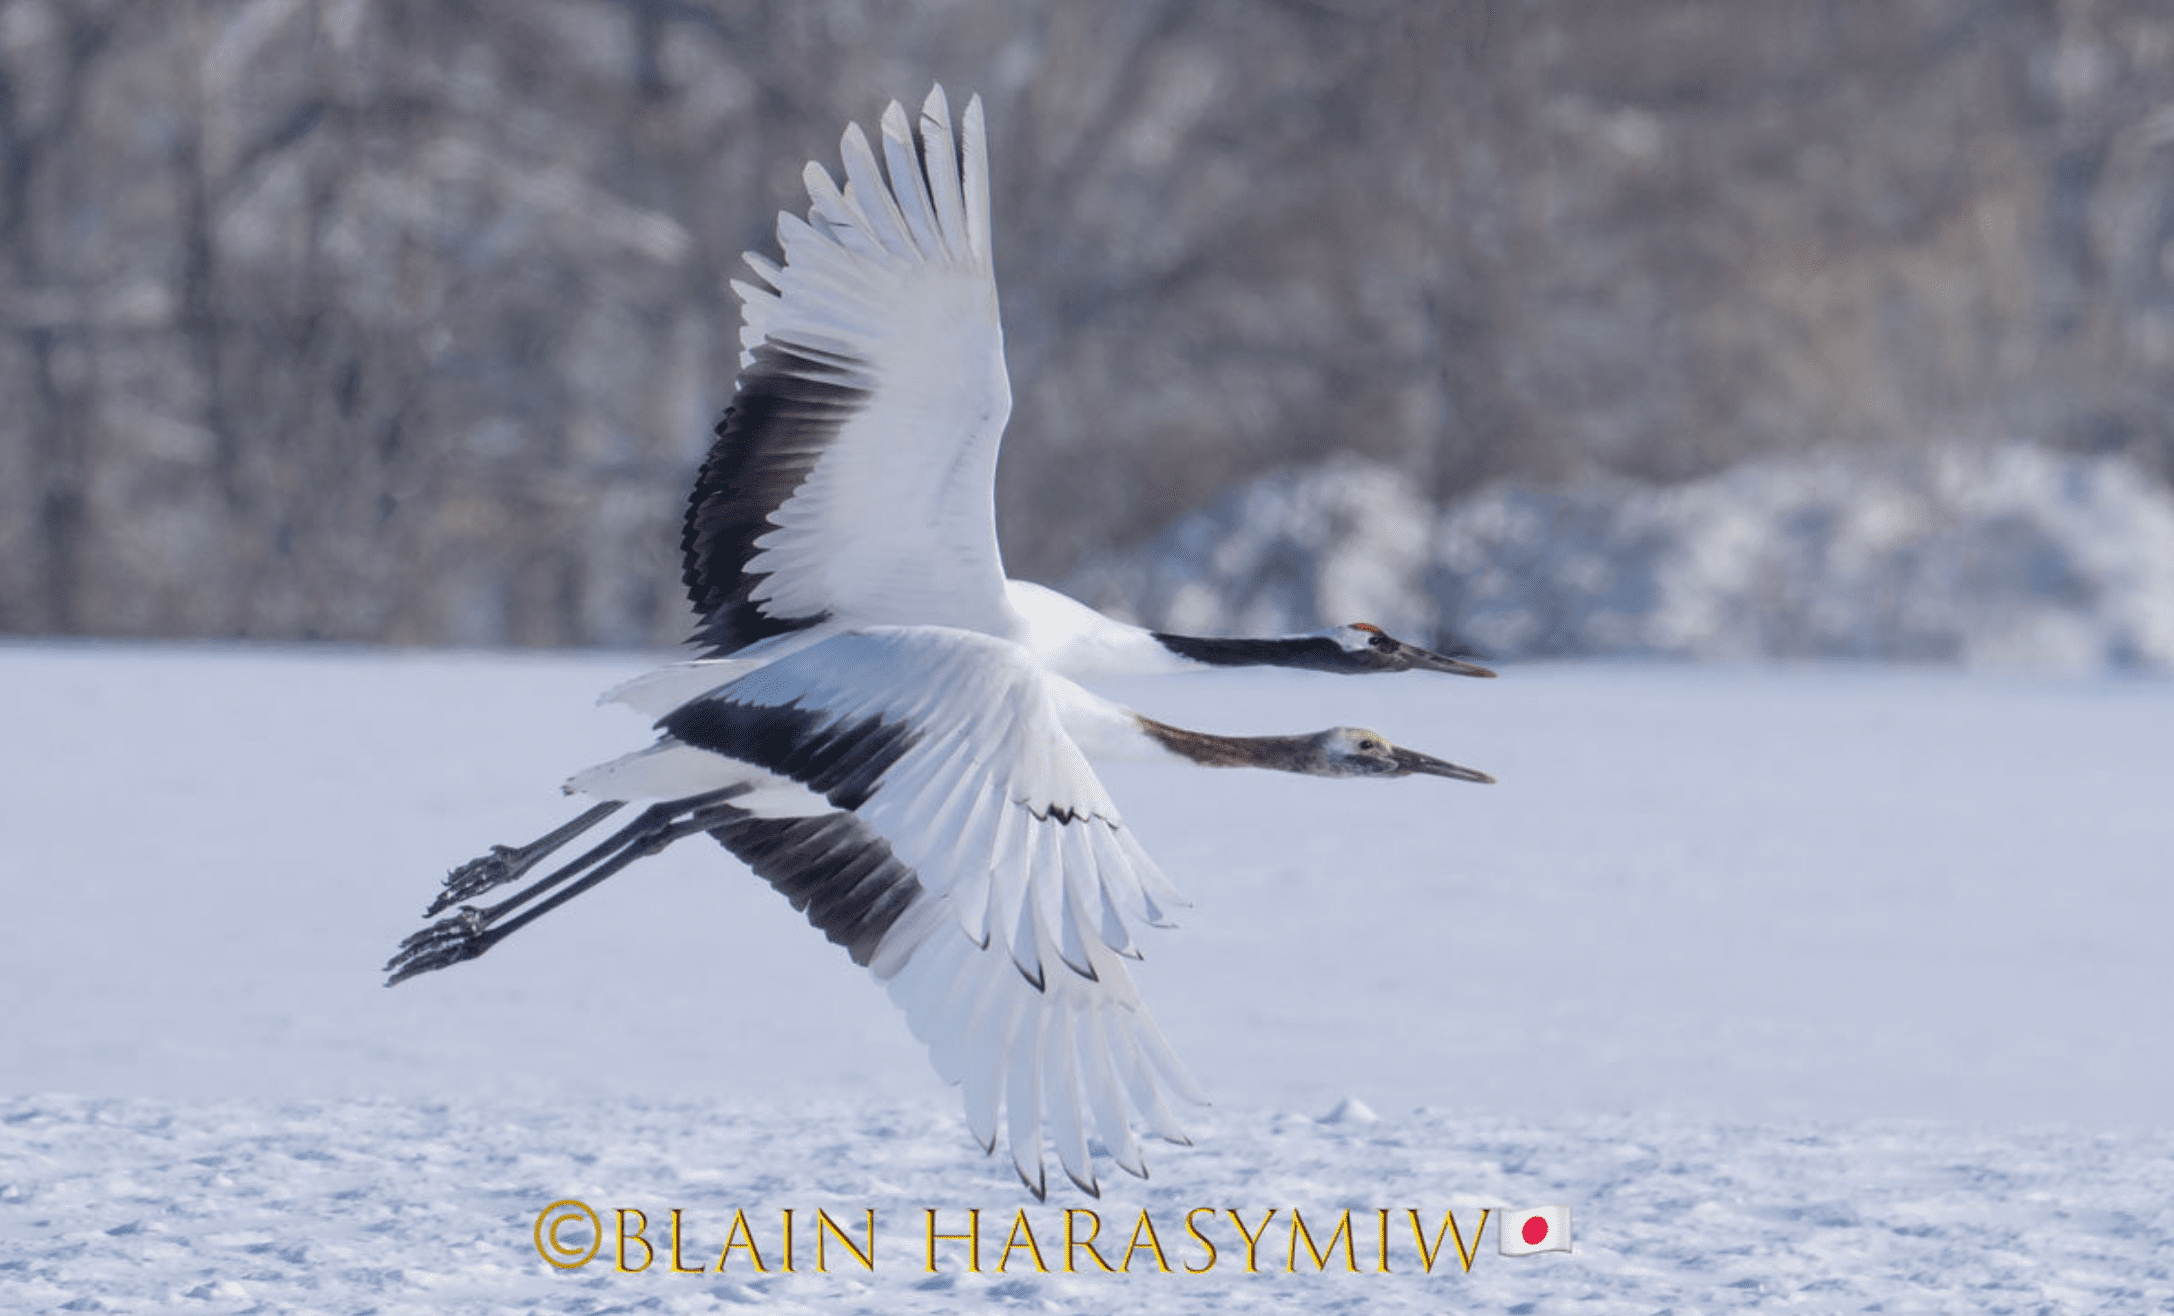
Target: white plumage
{"points": [[884, 728], [1026, 886], [853, 479], [892, 296]]}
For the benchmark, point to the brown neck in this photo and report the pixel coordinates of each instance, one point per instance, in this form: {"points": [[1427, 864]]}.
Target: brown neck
{"points": [[1282, 753]]}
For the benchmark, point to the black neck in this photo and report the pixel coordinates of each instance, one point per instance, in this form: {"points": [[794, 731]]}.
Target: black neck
{"points": [[1316, 653]]}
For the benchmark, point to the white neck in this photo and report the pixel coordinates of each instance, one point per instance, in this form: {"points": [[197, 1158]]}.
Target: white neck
{"points": [[1075, 640]]}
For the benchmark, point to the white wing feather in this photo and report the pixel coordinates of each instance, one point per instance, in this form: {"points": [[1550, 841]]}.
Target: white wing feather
{"points": [[1010, 961], [880, 565], [891, 284]]}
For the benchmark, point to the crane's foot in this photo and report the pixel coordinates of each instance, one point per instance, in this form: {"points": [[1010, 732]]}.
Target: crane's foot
{"points": [[507, 863], [460, 936], [502, 865], [472, 930]]}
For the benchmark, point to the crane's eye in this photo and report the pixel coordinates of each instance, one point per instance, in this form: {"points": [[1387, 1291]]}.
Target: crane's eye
{"points": [[1369, 744], [1381, 641]]}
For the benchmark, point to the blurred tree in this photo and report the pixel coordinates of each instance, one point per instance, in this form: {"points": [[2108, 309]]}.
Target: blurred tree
{"points": [[405, 319]]}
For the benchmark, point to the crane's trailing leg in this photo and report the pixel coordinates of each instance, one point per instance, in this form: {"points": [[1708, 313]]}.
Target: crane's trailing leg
{"points": [[470, 931], [505, 863]]}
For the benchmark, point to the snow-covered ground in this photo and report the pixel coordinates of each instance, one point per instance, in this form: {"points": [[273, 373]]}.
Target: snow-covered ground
{"points": [[1991, 555], [1828, 987]]}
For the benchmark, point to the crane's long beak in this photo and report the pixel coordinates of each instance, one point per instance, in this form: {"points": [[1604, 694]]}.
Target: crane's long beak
{"points": [[1411, 760], [1427, 660]]}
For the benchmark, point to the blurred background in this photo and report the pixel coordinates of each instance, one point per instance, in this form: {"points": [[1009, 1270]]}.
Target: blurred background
{"points": [[1788, 328]]}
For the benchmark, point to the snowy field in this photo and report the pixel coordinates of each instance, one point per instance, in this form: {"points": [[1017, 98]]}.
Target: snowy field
{"points": [[1831, 988]]}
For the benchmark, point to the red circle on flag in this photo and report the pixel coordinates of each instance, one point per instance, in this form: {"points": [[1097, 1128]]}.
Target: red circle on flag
{"points": [[1534, 1231]]}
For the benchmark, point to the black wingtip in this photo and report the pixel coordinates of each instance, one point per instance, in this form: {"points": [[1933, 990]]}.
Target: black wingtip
{"points": [[1040, 1188], [1037, 977]]}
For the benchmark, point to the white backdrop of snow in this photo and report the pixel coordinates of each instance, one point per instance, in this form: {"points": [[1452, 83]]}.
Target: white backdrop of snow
{"points": [[1839, 988], [1984, 555]]}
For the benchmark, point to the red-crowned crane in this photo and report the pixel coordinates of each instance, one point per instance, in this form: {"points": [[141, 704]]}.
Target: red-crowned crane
{"points": [[886, 729]]}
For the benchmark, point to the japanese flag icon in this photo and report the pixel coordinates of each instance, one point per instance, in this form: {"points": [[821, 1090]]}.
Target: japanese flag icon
{"points": [[1540, 1229]]}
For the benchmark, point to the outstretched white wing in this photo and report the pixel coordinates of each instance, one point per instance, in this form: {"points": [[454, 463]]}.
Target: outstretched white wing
{"points": [[852, 480], [916, 792]]}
